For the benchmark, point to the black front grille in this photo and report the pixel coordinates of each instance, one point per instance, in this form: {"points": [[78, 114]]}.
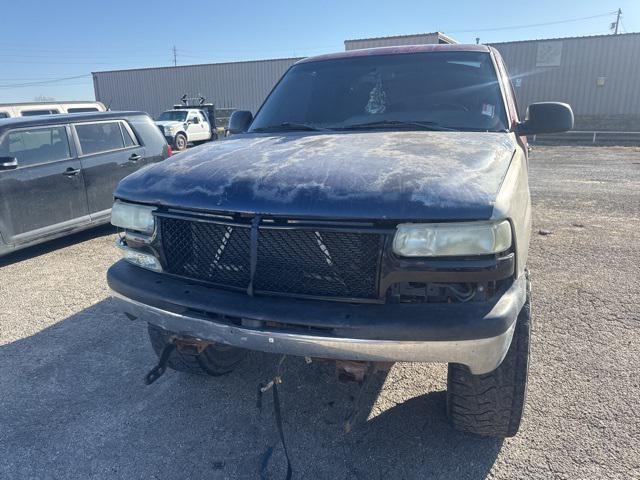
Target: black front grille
{"points": [[206, 251], [293, 261]]}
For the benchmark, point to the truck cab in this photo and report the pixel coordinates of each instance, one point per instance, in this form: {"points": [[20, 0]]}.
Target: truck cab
{"points": [[183, 126]]}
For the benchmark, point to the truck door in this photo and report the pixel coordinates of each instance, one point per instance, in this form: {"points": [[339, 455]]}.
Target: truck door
{"points": [[198, 127], [44, 193]]}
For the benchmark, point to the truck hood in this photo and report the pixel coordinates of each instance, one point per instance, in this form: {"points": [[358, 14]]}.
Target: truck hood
{"points": [[359, 175], [168, 123]]}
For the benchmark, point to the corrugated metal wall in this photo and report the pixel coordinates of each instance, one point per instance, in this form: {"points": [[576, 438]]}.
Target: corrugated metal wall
{"points": [[595, 75], [241, 85]]}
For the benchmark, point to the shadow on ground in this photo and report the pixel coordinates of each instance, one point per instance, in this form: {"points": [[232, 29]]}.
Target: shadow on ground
{"points": [[73, 405], [56, 244]]}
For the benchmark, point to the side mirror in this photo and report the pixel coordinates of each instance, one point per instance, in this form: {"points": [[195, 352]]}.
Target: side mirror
{"points": [[8, 163], [546, 117], [240, 121]]}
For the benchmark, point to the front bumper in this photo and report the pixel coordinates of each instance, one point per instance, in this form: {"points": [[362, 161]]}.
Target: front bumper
{"points": [[474, 334]]}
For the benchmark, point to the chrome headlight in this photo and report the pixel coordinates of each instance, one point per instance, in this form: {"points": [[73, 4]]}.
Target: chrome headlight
{"points": [[137, 257], [133, 217], [451, 239]]}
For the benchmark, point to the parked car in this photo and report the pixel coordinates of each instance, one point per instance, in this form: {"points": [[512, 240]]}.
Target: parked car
{"points": [[58, 172], [376, 209], [8, 110], [183, 126]]}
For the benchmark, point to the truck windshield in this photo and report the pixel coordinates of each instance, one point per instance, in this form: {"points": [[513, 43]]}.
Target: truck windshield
{"points": [[173, 116], [430, 90]]}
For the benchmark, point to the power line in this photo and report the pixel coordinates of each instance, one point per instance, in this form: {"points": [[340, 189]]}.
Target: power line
{"points": [[27, 79], [79, 57], [514, 27], [44, 82], [624, 29]]}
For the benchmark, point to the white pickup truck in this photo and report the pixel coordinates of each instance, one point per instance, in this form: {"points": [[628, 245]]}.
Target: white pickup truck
{"points": [[181, 127]]}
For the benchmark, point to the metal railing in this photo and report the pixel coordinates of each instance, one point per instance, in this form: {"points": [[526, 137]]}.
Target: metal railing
{"points": [[593, 136]]}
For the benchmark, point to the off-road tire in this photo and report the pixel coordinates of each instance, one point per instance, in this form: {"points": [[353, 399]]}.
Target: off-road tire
{"points": [[492, 404], [180, 142], [215, 360]]}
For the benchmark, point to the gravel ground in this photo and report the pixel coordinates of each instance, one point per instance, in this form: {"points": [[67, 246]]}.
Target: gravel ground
{"points": [[73, 405]]}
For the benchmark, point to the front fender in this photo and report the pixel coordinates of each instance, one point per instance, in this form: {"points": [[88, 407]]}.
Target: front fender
{"points": [[514, 203]]}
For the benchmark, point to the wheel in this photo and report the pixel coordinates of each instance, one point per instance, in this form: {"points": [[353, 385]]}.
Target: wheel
{"points": [[180, 142], [215, 360], [492, 404]]}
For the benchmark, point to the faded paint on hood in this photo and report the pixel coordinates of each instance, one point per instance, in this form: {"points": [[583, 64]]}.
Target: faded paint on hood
{"points": [[362, 175]]}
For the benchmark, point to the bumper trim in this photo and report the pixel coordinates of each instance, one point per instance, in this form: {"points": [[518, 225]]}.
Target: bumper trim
{"points": [[480, 355]]}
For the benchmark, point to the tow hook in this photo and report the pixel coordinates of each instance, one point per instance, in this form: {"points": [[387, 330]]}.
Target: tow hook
{"points": [[187, 345], [351, 371], [157, 371], [191, 345]]}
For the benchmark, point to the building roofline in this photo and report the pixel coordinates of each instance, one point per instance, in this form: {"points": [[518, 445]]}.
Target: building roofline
{"points": [[398, 49], [607, 35], [439, 34], [197, 65]]}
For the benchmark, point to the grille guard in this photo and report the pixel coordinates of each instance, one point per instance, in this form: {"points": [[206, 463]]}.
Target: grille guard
{"points": [[293, 259]]}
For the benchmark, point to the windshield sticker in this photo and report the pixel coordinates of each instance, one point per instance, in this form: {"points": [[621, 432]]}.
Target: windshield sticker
{"points": [[488, 109], [377, 99]]}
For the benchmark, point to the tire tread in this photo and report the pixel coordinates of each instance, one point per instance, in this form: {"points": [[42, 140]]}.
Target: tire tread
{"points": [[492, 404]]}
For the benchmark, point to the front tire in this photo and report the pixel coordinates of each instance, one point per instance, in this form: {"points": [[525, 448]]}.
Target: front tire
{"points": [[214, 360], [492, 404], [180, 142]]}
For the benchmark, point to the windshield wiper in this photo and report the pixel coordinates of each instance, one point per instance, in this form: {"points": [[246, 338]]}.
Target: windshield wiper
{"points": [[398, 123], [285, 126]]}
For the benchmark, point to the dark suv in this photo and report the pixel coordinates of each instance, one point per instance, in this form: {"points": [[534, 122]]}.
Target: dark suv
{"points": [[58, 172], [376, 209]]}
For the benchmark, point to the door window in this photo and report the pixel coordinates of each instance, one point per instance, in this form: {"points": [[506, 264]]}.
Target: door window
{"points": [[4, 115], [38, 145], [30, 113], [129, 140], [82, 109], [99, 137]]}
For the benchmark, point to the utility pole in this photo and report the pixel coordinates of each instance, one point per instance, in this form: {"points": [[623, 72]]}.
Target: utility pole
{"points": [[615, 24], [175, 56]]}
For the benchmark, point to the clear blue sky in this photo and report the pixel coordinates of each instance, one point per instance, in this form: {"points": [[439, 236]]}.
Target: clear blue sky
{"points": [[44, 41]]}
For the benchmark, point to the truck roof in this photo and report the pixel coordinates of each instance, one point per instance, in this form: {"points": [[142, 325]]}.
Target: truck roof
{"points": [[439, 47]]}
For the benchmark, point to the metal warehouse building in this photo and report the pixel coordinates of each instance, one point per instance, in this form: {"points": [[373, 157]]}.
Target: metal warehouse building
{"points": [[241, 85], [599, 76]]}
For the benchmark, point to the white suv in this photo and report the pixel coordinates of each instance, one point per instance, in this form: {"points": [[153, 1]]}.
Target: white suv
{"points": [[181, 127]]}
